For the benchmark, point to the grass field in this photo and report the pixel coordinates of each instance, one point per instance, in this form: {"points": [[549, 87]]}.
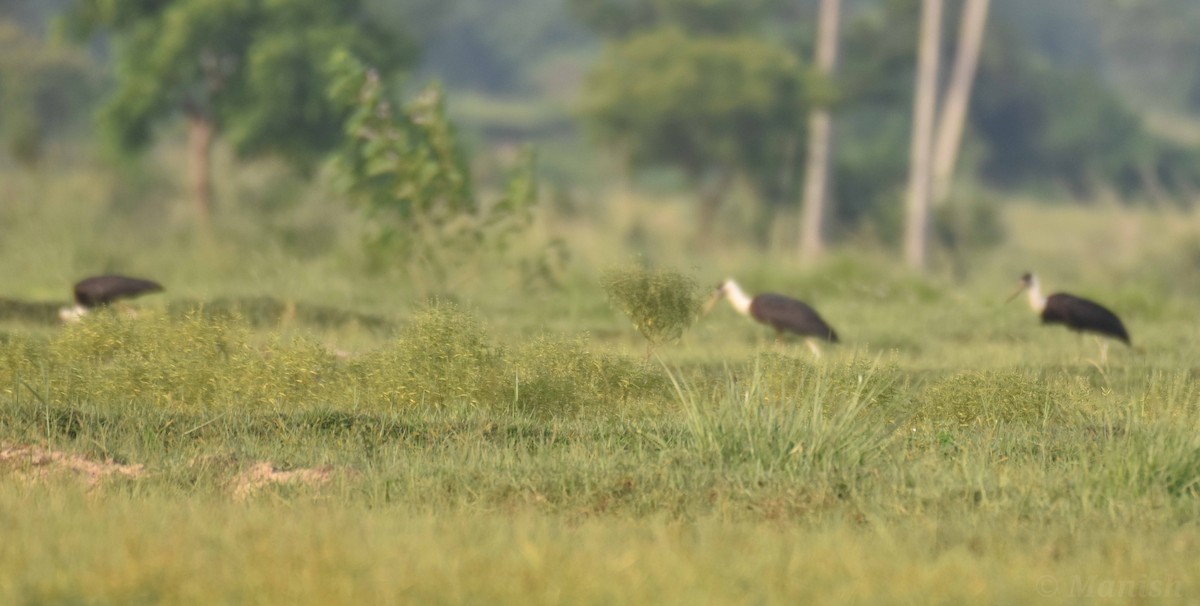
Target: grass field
{"points": [[280, 427]]}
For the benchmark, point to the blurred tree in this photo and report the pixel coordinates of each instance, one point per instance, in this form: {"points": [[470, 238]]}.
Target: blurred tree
{"points": [[820, 139], [625, 18], [498, 46], [715, 108], [952, 120], [44, 90], [1151, 50], [917, 221], [250, 70], [1044, 125]]}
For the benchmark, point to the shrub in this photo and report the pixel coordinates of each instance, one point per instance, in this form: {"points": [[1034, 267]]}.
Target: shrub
{"points": [[662, 304], [443, 355], [556, 374], [989, 396]]}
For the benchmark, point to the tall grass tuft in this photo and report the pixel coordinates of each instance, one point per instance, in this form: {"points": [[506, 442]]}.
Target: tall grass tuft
{"points": [[829, 425], [1150, 460]]}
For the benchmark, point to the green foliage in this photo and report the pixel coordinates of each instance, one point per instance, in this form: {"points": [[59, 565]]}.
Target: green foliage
{"points": [[254, 69], [189, 362], [661, 303], [443, 356], [622, 18], [699, 103], [1152, 460], [988, 397], [502, 49], [43, 88], [553, 374], [778, 377], [409, 172], [967, 225], [1043, 123], [203, 361]]}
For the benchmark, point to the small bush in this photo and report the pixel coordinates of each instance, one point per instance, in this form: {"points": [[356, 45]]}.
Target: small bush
{"points": [[193, 361], [662, 304], [562, 375], [443, 355], [988, 397]]}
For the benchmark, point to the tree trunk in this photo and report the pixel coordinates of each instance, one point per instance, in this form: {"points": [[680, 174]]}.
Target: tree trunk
{"points": [[200, 138], [916, 236], [711, 198], [820, 140], [958, 97]]}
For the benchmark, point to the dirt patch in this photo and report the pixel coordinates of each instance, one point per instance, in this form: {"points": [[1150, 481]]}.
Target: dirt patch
{"points": [[39, 463], [264, 473]]}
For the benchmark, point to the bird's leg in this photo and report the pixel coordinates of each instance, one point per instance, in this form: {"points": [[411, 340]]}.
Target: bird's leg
{"points": [[1103, 350], [813, 346]]}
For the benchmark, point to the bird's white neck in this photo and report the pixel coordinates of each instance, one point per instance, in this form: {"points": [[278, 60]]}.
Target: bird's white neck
{"points": [[1036, 300], [738, 299]]}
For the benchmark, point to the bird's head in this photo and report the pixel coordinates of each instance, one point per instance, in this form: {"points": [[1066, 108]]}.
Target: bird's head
{"points": [[1027, 280]]}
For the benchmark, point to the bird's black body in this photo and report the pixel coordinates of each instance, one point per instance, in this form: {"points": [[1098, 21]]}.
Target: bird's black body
{"points": [[99, 291], [1083, 315], [786, 314]]}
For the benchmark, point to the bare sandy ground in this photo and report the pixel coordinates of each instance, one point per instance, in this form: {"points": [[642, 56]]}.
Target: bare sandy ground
{"points": [[38, 463]]}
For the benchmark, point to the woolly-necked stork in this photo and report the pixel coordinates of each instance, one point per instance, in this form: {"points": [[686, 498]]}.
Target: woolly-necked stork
{"points": [[780, 312], [100, 291], [1076, 313]]}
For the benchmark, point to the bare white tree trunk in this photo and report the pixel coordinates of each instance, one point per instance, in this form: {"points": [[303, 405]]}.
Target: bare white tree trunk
{"points": [[916, 236], [200, 140], [958, 97], [820, 139]]}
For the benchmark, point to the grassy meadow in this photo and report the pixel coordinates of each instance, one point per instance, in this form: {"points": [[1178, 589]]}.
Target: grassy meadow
{"points": [[284, 426]]}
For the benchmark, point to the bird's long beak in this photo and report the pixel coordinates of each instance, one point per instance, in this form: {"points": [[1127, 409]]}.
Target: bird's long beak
{"points": [[712, 301], [1020, 289]]}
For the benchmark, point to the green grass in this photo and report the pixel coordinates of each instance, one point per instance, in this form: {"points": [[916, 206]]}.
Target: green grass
{"points": [[496, 445]]}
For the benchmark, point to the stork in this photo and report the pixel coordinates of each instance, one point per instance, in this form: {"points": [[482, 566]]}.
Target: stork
{"points": [[101, 291], [780, 312], [1076, 313]]}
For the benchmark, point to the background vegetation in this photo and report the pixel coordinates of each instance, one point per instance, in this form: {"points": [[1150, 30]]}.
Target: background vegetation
{"points": [[392, 372]]}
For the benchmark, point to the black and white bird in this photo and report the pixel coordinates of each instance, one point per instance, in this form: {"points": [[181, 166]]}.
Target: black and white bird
{"points": [[780, 312], [100, 291], [1076, 313]]}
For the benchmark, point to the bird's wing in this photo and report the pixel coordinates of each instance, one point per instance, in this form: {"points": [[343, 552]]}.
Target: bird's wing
{"points": [[786, 313], [101, 290], [1079, 312]]}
